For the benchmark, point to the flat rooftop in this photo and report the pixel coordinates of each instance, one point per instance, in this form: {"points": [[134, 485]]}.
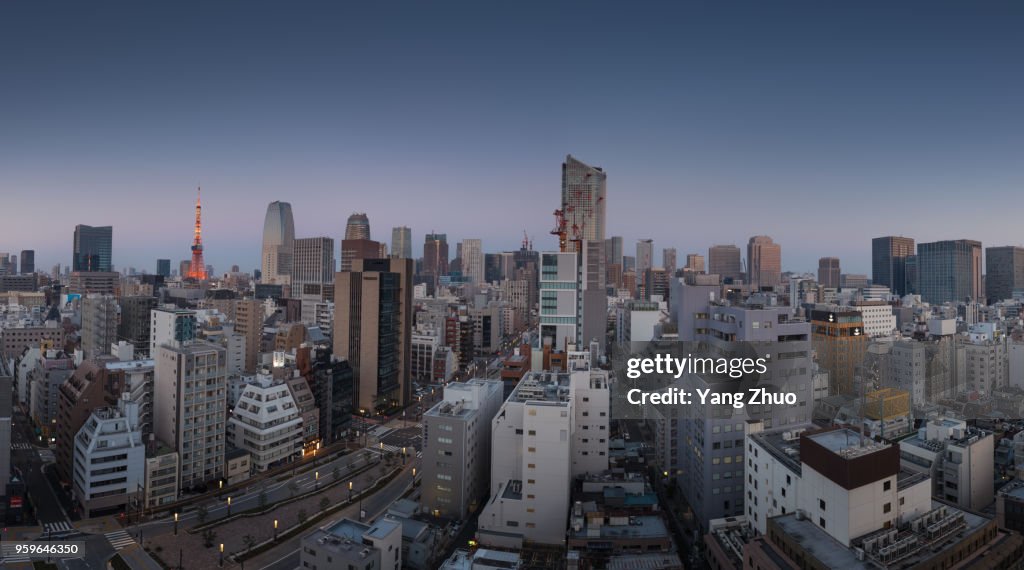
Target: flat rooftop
{"points": [[350, 529], [833, 554], [644, 526], [551, 387], [383, 527], [130, 364], [513, 490], [846, 442]]}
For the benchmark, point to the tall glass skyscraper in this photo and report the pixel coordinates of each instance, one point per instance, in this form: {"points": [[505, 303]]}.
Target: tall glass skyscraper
{"points": [[889, 262], [278, 244], [583, 194], [358, 227], [92, 248], [401, 242], [949, 271]]}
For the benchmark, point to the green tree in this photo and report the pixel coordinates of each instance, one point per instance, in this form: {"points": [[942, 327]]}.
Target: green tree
{"points": [[249, 541], [325, 503], [202, 513], [262, 498], [209, 537], [302, 516]]}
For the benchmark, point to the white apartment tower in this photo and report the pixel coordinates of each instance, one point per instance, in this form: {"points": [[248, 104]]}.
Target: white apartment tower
{"points": [[552, 429], [190, 400]]}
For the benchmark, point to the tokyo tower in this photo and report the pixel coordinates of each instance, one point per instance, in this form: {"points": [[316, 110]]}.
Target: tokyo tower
{"points": [[198, 268]]}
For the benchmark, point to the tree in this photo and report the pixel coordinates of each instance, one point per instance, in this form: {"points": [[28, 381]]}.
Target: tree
{"points": [[201, 513], [249, 541], [325, 503], [336, 473], [293, 488], [302, 516], [209, 536], [262, 498]]}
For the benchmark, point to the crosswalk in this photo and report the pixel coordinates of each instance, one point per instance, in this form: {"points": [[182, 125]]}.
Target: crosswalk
{"points": [[397, 449], [119, 539], [22, 446], [62, 527], [9, 557]]}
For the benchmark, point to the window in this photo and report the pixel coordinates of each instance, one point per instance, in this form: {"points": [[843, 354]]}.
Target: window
{"points": [[821, 505], [887, 508], [821, 522], [887, 485]]}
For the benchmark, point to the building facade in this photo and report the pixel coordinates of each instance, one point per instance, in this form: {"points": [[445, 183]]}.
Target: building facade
{"points": [[889, 262], [949, 271], [373, 329]]}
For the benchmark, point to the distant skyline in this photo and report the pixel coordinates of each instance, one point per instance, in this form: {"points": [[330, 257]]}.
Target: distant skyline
{"points": [[822, 125]]}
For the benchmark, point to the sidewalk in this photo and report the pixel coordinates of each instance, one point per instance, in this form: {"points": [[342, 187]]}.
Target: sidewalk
{"points": [[138, 559], [101, 525]]}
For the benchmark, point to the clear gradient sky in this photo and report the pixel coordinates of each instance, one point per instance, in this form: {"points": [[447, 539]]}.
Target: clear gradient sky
{"points": [[822, 124]]}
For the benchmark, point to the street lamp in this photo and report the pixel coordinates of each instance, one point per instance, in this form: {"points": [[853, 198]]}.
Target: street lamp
{"points": [[175, 524], [317, 477], [275, 529], [350, 491], [229, 506], [403, 456], [220, 487], [220, 562]]}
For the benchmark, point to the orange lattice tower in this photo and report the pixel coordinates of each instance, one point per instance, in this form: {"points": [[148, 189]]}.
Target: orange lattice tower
{"points": [[198, 268]]}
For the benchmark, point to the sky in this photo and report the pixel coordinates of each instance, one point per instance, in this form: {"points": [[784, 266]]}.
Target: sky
{"points": [[821, 124]]}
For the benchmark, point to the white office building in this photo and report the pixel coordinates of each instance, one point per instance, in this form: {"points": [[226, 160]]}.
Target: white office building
{"points": [[266, 422], [552, 429], [960, 460], [109, 459], [877, 316], [846, 484], [560, 299]]}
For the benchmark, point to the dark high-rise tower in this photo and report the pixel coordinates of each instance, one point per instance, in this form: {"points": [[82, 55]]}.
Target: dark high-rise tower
{"points": [[28, 261], [889, 262], [163, 267], [373, 330], [197, 270], [1004, 272], [829, 272], [92, 248], [949, 271], [725, 261], [435, 257], [764, 262]]}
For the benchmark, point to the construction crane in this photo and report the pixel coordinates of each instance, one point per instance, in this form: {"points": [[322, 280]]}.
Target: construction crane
{"points": [[559, 229]]}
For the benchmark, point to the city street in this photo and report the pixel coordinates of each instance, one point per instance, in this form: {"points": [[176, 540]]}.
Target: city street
{"points": [[25, 457], [286, 556]]}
